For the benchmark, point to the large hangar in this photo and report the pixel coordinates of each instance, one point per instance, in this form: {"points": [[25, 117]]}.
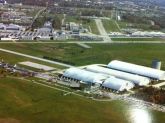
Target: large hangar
{"points": [[137, 69], [105, 80], [136, 79], [117, 84], [85, 76]]}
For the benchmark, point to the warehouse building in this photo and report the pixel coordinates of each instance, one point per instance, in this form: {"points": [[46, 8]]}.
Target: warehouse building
{"points": [[85, 76], [136, 79], [137, 69], [117, 84], [10, 28], [104, 80]]}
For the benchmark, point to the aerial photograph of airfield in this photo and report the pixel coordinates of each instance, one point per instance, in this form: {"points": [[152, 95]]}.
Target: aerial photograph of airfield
{"points": [[82, 61]]}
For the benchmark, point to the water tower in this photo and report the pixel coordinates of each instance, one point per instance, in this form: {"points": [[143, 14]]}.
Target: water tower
{"points": [[156, 64]]}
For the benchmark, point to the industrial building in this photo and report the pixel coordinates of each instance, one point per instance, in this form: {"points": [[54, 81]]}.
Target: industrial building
{"points": [[137, 69], [117, 84], [10, 28], [106, 81], [84, 76], [117, 75], [136, 79]]}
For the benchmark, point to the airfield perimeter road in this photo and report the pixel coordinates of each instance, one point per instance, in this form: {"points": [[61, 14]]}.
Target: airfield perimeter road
{"points": [[87, 42], [36, 58], [102, 31]]}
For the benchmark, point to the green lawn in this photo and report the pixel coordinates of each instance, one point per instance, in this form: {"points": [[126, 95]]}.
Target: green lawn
{"points": [[110, 26], [137, 39], [122, 24], [15, 59], [125, 24], [26, 102], [99, 53], [93, 26]]}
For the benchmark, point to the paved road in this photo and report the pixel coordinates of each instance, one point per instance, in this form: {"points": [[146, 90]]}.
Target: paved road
{"points": [[87, 42], [102, 30], [36, 58]]}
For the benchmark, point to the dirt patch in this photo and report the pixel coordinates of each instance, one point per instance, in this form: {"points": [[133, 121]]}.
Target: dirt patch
{"points": [[9, 120]]}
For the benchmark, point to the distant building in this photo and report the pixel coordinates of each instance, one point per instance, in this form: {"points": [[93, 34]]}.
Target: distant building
{"points": [[3, 2], [10, 28], [74, 26], [46, 28]]}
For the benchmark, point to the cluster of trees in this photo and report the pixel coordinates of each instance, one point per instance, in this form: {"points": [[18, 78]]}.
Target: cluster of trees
{"points": [[32, 2], [91, 13], [56, 22], [152, 94], [39, 22], [159, 21], [135, 19], [83, 4]]}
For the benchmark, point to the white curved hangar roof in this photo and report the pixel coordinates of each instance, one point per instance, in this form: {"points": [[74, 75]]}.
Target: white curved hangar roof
{"points": [[85, 76], [136, 79], [117, 84], [137, 69]]}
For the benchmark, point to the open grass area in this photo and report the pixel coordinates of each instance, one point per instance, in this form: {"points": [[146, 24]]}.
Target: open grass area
{"points": [[122, 24], [110, 26], [15, 59], [26, 102], [142, 54], [125, 24], [93, 26], [137, 39]]}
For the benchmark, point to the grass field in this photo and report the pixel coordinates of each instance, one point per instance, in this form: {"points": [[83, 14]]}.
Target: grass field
{"points": [[92, 25], [14, 59], [26, 102], [137, 39], [99, 53], [124, 24], [110, 26]]}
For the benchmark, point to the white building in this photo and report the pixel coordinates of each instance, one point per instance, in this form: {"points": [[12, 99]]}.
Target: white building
{"points": [[117, 84], [10, 28], [136, 79], [137, 69], [85, 76], [105, 80]]}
